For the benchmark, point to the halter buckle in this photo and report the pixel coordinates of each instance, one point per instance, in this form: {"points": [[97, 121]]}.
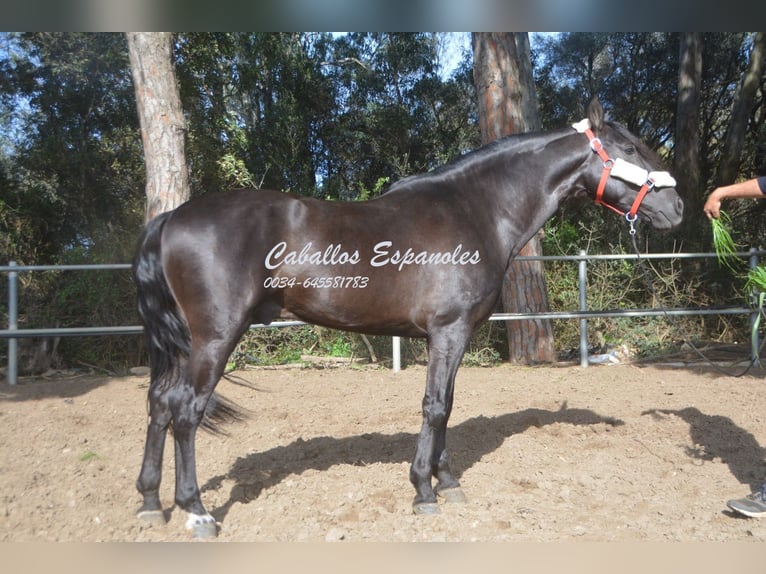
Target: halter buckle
{"points": [[596, 145]]}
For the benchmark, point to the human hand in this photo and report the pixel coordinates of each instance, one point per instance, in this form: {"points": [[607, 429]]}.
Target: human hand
{"points": [[712, 207]]}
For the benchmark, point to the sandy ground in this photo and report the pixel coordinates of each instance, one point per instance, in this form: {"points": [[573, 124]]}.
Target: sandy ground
{"points": [[606, 453]]}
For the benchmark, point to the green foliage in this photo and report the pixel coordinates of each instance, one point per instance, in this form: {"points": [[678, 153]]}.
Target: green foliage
{"points": [[623, 284], [234, 171], [626, 71], [286, 345], [756, 278], [365, 194], [79, 163]]}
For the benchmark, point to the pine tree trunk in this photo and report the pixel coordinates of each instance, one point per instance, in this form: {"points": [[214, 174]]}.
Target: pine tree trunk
{"points": [[735, 135], [686, 162], [508, 105], [163, 128]]}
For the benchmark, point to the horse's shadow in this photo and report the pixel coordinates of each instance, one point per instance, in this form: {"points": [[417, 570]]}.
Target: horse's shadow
{"points": [[468, 442], [715, 436]]}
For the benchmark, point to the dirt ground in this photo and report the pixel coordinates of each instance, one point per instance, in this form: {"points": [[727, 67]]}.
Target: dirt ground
{"points": [[606, 453]]}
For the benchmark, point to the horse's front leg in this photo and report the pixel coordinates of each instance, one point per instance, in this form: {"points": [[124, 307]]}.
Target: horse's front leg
{"points": [[447, 486], [446, 350]]}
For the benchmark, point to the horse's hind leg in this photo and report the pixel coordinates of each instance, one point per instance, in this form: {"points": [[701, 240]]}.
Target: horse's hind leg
{"points": [[205, 367], [148, 483], [186, 420], [182, 404]]}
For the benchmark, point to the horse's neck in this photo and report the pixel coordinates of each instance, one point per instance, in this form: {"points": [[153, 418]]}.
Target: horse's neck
{"points": [[535, 182]]}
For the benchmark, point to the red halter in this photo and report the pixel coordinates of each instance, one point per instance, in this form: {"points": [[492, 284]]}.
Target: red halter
{"points": [[624, 170], [596, 146]]}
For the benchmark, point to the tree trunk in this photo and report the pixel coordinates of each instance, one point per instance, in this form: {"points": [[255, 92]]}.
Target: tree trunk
{"points": [[735, 135], [163, 128], [686, 161], [508, 105]]}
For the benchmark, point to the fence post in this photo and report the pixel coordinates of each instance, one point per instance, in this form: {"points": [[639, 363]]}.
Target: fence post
{"points": [[395, 343], [13, 315], [754, 339], [582, 280]]}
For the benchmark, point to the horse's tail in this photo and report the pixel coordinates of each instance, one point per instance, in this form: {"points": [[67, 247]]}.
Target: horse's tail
{"points": [[167, 335]]}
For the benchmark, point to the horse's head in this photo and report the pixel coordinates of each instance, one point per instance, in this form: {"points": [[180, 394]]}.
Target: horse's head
{"points": [[625, 175]]}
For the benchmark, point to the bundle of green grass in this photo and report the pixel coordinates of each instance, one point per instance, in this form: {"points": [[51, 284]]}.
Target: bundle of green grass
{"points": [[755, 280], [726, 249]]}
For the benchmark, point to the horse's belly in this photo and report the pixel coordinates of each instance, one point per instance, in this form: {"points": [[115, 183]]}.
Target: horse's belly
{"points": [[348, 313], [386, 307]]}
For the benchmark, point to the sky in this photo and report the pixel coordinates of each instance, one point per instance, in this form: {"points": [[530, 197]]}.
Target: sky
{"points": [[456, 43]]}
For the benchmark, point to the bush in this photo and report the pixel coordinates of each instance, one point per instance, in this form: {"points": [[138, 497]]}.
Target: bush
{"points": [[629, 284]]}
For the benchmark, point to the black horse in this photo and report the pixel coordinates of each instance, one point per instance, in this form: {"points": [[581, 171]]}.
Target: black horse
{"points": [[426, 259]]}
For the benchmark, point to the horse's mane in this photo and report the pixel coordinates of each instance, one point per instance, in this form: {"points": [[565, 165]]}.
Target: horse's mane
{"points": [[518, 143]]}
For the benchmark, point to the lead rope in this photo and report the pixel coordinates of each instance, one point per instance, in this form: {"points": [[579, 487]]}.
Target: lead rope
{"points": [[648, 280]]}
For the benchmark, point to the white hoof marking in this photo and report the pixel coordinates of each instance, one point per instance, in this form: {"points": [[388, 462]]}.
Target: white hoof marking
{"points": [[195, 520]]}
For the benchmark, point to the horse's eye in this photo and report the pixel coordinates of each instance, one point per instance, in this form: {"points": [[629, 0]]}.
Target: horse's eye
{"points": [[630, 150]]}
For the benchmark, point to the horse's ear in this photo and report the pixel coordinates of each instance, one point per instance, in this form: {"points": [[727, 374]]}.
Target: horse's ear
{"points": [[596, 114]]}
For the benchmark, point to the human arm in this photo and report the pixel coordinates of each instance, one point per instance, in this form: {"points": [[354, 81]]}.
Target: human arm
{"points": [[751, 188]]}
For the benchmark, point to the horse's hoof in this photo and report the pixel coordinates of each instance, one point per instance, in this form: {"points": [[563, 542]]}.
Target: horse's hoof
{"points": [[205, 530], [455, 495], [202, 526], [151, 517], [426, 508]]}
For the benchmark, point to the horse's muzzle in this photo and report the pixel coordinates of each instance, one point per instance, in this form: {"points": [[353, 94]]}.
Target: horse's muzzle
{"points": [[665, 220]]}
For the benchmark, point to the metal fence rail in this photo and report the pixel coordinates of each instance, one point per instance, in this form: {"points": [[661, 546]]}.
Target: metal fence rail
{"points": [[13, 333]]}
